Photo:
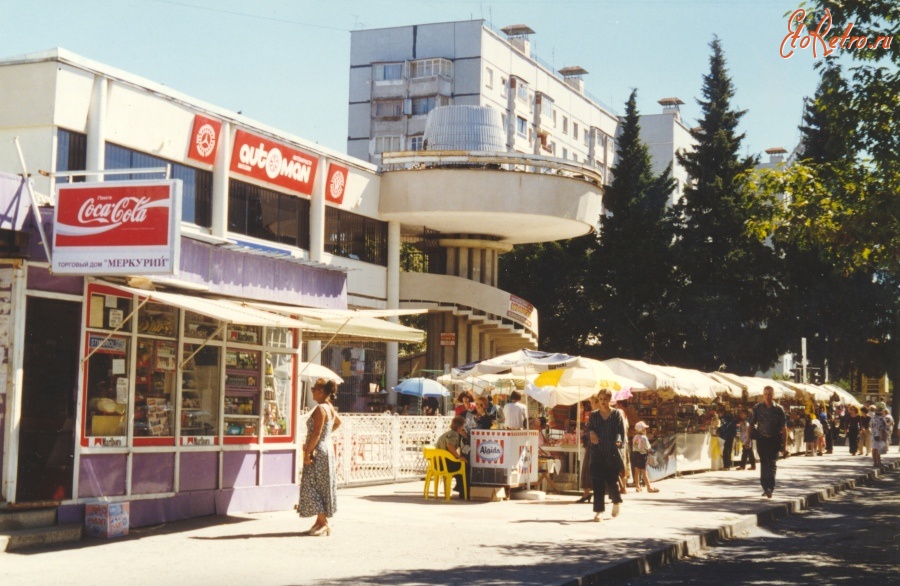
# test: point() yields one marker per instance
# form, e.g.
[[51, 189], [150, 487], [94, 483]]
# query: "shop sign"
[[448, 338], [520, 311], [199, 440], [204, 139], [117, 228], [337, 183], [265, 160], [114, 345]]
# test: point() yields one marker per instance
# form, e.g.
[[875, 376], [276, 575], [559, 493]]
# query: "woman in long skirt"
[[606, 429], [318, 486]]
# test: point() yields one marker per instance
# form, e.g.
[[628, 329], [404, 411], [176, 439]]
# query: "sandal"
[[652, 490]]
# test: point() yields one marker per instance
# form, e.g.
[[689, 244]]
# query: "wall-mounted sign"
[[520, 311], [448, 338], [204, 139], [117, 228], [337, 183], [265, 160]]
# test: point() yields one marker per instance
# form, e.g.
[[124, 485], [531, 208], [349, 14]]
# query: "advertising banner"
[[520, 311], [204, 139], [117, 228], [265, 160], [337, 183]]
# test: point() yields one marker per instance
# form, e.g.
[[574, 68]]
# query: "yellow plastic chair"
[[437, 470]]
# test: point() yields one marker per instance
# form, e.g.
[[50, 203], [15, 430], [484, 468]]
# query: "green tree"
[[727, 304], [631, 272]]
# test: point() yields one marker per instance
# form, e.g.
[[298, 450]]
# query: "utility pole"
[[803, 359]]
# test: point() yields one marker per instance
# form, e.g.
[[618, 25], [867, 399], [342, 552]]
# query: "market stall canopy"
[[845, 397], [782, 390], [693, 383], [809, 392], [495, 384], [552, 396], [229, 312], [350, 324], [645, 374], [737, 385], [587, 372], [520, 362]]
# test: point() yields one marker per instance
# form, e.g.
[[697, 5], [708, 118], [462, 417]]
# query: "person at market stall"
[[809, 436], [879, 430], [514, 412], [455, 441], [727, 431], [466, 404], [586, 480], [768, 422], [850, 426], [889, 421], [865, 438], [318, 485], [746, 435], [606, 428], [715, 446], [827, 440], [631, 418], [639, 456], [484, 419]]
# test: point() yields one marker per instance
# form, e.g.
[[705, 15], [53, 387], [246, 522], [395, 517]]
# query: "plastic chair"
[[438, 470]]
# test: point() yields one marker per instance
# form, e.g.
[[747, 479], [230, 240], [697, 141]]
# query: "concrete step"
[[11, 520], [20, 539]]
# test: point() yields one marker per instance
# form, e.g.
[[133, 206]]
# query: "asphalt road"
[[853, 538]]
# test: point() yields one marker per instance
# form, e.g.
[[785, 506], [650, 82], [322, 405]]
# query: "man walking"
[[514, 412], [767, 419]]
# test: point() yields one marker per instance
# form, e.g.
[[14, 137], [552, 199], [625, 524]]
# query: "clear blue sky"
[[285, 62]]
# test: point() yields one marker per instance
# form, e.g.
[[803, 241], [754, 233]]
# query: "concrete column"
[[487, 273], [96, 128], [477, 255], [219, 226], [317, 213], [392, 349], [462, 340], [463, 267], [475, 343], [9, 454], [452, 256]]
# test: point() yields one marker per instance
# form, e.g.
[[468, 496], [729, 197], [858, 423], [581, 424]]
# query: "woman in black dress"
[[606, 430]]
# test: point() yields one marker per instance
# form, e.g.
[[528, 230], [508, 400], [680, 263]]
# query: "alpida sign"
[[117, 228]]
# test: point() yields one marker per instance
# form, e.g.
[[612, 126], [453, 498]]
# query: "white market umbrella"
[[310, 371], [422, 387]]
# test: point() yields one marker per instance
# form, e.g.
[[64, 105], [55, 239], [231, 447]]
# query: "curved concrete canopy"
[[515, 206]]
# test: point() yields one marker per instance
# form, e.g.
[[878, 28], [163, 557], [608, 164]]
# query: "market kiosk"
[[503, 457]]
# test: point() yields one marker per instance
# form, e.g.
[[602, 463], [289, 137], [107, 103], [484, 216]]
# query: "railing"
[[381, 449], [410, 160]]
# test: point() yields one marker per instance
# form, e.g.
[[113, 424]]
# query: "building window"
[[522, 91], [565, 153], [521, 126], [388, 108], [196, 191], [387, 71], [421, 106], [354, 236], [504, 87], [575, 130], [386, 144], [71, 154], [587, 136], [269, 215], [554, 118], [489, 77], [565, 125], [430, 68], [415, 143]]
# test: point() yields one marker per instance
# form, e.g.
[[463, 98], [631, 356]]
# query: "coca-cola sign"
[[265, 160], [117, 228]]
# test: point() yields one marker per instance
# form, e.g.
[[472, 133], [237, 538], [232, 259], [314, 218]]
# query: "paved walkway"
[[391, 535]]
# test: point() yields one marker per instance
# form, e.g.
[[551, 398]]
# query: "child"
[[809, 436], [746, 435], [641, 447]]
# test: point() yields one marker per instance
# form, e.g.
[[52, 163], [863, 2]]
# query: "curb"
[[673, 552]]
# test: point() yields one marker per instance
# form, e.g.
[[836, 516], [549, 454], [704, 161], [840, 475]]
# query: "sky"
[[285, 62]]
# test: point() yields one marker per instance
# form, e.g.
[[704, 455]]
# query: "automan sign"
[[265, 160], [204, 139], [117, 228]]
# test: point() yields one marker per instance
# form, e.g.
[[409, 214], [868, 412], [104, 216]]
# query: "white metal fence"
[[376, 449]]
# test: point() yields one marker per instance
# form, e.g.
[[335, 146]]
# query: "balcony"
[[515, 197]]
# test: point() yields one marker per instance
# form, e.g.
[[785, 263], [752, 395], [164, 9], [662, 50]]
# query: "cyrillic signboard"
[[265, 160], [117, 228]]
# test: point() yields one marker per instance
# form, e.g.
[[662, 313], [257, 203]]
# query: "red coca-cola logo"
[[113, 215]]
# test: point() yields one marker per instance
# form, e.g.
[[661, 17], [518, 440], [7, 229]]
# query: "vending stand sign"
[[117, 228]]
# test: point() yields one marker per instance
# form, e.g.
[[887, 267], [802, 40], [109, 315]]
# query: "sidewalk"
[[391, 535]]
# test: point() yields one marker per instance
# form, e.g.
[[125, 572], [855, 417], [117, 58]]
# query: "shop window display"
[[242, 392], [200, 386], [107, 385], [277, 393]]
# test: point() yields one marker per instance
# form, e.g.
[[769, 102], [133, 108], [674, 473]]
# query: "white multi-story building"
[[398, 75], [665, 135]]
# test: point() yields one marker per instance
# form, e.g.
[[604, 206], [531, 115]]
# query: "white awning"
[[350, 324], [230, 312]]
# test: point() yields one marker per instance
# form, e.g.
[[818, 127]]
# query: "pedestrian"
[[851, 425], [819, 434], [641, 449], [768, 422], [809, 435], [746, 435], [727, 431], [586, 484], [715, 446], [827, 441], [865, 438], [318, 485], [514, 412], [889, 420], [879, 429], [606, 427]]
